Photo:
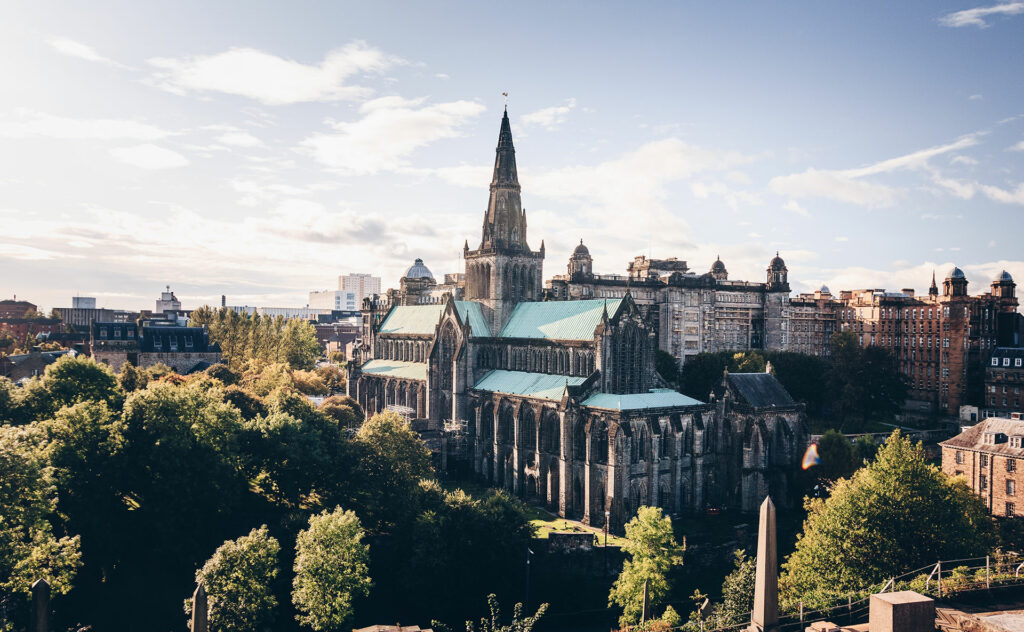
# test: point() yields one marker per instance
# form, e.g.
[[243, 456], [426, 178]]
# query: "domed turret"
[[955, 283], [777, 263], [718, 270], [1003, 276], [778, 274], [1004, 287], [581, 264], [824, 289], [955, 273], [418, 271]]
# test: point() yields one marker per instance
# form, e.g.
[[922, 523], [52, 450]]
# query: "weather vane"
[[505, 94]]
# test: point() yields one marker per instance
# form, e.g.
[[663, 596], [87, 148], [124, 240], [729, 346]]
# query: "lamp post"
[[607, 517]]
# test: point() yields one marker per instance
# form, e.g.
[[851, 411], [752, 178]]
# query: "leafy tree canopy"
[[653, 552]]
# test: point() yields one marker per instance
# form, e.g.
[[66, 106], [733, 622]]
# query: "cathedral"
[[557, 401]]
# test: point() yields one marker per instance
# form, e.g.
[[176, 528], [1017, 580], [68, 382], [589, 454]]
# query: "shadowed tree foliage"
[[239, 581], [653, 552], [131, 378], [519, 623], [837, 456], [343, 409], [897, 514], [71, 380], [247, 339]]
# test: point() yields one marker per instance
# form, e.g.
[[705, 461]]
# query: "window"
[[103, 332], [1011, 465], [117, 332], [1011, 487], [1009, 510], [984, 460], [995, 361], [1006, 361], [131, 332], [960, 457], [1017, 362], [983, 481]]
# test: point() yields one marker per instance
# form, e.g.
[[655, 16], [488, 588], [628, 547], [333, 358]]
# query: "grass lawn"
[[545, 523]]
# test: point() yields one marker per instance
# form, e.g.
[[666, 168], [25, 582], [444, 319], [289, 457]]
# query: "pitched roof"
[[412, 319], [182, 339], [396, 368], [760, 390], [558, 320], [539, 385], [656, 398], [973, 438], [471, 310]]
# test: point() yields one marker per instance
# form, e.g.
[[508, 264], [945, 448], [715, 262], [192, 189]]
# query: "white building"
[[361, 283], [167, 302], [83, 302], [335, 300]]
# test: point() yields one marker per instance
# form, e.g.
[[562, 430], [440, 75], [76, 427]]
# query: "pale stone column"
[[564, 463], [200, 612], [765, 617], [517, 457]]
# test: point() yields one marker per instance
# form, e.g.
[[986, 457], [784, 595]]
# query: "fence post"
[[41, 605], [849, 608], [801, 612], [939, 567], [988, 575]]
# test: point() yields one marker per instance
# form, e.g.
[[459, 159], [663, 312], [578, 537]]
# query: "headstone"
[[903, 611], [41, 606], [765, 617], [200, 612]]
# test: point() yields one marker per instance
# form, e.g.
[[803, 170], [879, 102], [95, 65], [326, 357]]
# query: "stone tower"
[[503, 271]]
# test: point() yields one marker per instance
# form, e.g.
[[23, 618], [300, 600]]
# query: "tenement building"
[[184, 349], [1004, 379], [558, 401], [990, 458]]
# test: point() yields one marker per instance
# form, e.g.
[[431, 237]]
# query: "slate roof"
[[973, 437], [760, 390], [539, 385], [49, 356], [656, 398], [558, 320], [412, 319], [471, 310], [1007, 352], [175, 339], [396, 368]]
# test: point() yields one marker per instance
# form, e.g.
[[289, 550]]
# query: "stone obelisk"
[[765, 617], [200, 610]]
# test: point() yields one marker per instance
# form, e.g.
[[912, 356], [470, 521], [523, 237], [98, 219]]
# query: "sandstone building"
[[184, 349], [558, 401], [990, 458], [1004, 381]]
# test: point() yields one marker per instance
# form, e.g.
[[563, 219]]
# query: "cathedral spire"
[[505, 223], [934, 289]]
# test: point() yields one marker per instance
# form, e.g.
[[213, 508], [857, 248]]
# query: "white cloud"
[[149, 156], [270, 79], [1015, 196], [842, 239], [977, 15], [71, 48], [963, 160], [391, 129], [240, 139], [794, 206], [31, 124], [22, 252], [551, 117], [847, 185], [975, 97], [734, 198], [1017, 147]]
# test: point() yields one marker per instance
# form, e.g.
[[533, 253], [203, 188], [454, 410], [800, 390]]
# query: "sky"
[[260, 149]]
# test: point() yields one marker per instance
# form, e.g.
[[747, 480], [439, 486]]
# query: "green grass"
[[546, 523]]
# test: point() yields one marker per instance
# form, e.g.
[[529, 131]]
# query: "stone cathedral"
[[558, 401]]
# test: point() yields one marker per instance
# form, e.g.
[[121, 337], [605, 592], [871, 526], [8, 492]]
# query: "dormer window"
[[188, 342], [103, 332], [995, 361], [1017, 362], [131, 333], [1015, 441], [174, 343], [1006, 361], [157, 342]]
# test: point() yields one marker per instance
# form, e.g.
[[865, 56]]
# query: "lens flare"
[[811, 457]]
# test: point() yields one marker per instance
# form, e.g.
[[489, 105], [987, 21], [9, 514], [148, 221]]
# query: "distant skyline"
[[261, 149]]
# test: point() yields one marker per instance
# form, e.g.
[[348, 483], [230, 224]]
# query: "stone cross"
[[765, 617], [41, 605], [200, 613]]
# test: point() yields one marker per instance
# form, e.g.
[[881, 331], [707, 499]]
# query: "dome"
[[718, 266], [955, 273], [825, 290], [777, 263], [581, 250], [418, 271], [1003, 276]]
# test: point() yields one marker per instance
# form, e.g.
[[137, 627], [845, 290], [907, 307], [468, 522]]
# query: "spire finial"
[[505, 94]]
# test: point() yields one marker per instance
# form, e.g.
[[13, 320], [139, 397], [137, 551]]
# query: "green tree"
[[343, 409], [837, 458], [864, 449], [74, 379], [737, 592], [247, 403], [392, 462], [331, 569], [223, 373], [29, 550], [896, 514], [653, 552], [667, 366], [131, 378], [239, 582], [519, 623]]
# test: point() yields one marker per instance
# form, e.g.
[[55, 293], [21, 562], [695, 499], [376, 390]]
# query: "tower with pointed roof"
[[503, 271]]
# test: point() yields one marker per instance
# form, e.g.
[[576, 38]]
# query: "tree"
[[331, 569], [836, 454], [667, 366], [132, 379], [343, 409], [864, 449], [653, 552], [896, 514], [519, 623], [393, 461], [29, 550], [737, 592], [74, 379], [223, 373], [239, 582]]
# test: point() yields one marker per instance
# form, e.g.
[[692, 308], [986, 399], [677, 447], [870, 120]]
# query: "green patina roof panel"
[[656, 398], [412, 319], [396, 368], [558, 320], [540, 385], [471, 310]]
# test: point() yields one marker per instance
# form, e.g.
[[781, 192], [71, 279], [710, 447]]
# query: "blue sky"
[[259, 150]]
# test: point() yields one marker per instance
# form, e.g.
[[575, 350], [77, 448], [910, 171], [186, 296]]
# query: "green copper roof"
[[412, 319], [656, 398], [540, 385], [558, 320], [477, 323], [396, 368]]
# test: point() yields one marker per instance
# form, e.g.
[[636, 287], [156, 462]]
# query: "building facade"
[[184, 349], [1004, 379], [558, 401], [990, 458], [362, 284], [335, 300]]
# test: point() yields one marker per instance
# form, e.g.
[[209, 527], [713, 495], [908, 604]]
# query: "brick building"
[[13, 308], [990, 457], [1004, 380], [184, 349]]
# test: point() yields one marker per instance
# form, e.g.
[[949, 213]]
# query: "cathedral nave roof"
[[558, 320]]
